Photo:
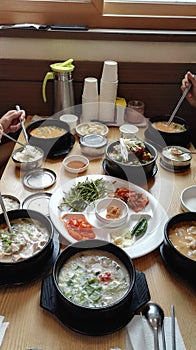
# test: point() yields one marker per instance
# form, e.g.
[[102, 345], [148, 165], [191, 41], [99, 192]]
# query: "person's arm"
[[1, 132], [10, 121], [191, 96]]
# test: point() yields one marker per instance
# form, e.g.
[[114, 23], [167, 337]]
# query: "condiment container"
[[128, 131], [93, 145], [76, 164]]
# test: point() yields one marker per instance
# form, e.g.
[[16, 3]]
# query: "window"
[[121, 14]]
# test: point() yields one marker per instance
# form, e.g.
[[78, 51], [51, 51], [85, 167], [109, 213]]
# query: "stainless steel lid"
[[39, 178], [38, 201], [93, 141]]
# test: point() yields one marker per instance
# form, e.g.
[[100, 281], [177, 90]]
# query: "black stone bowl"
[[27, 269], [162, 138], [176, 261], [53, 144], [137, 174], [89, 320]]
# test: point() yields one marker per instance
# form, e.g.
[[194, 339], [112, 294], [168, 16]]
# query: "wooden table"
[[31, 326]]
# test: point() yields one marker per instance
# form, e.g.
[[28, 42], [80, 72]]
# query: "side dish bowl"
[[179, 247], [179, 136], [188, 199], [112, 212], [76, 164], [28, 158], [87, 319], [35, 259], [43, 133]]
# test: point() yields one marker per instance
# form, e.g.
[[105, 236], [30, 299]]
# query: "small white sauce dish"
[[111, 206], [76, 163], [188, 199]]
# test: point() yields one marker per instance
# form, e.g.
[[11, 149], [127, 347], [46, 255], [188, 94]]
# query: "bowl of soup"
[[95, 283], [179, 246], [140, 164], [26, 250], [50, 134], [177, 133]]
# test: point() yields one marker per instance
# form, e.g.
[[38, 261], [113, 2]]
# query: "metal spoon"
[[11, 138], [5, 214], [23, 127], [179, 152], [155, 316], [179, 103]]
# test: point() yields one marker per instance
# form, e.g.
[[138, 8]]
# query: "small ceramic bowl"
[[188, 199], [76, 164], [111, 212], [176, 156]]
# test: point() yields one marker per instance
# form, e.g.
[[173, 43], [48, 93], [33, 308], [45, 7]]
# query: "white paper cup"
[[90, 111], [71, 120], [108, 91], [110, 71], [90, 90], [106, 112]]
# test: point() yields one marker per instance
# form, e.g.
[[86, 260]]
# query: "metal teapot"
[[63, 84]]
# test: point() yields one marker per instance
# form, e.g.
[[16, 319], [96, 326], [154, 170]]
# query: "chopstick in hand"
[[23, 127], [173, 328]]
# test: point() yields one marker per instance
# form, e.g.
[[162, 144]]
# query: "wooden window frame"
[[100, 14]]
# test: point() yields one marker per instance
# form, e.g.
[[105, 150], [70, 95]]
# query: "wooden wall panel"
[[157, 84]]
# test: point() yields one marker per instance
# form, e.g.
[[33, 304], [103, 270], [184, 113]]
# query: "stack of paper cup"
[[90, 106], [108, 91]]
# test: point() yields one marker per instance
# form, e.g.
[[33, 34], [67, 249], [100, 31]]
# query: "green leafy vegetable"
[[84, 193]]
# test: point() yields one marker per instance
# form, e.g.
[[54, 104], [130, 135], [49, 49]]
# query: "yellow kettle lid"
[[61, 67]]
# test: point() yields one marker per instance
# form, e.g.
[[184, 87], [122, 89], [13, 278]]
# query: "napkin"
[[3, 327], [140, 335]]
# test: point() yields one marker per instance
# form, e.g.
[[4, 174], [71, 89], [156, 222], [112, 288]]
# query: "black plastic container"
[[88, 320], [28, 269], [52, 145]]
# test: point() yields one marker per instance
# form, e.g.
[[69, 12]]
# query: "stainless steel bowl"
[[28, 164], [93, 145], [176, 160]]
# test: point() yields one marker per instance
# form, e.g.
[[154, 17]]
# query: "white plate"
[[154, 212]]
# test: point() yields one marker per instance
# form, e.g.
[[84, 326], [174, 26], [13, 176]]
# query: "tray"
[[48, 301]]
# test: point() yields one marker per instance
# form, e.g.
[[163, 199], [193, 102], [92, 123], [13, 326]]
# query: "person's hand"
[[10, 121], [1, 132], [191, 96]]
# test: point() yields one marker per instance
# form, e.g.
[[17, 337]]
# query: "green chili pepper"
[[139, 229]]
